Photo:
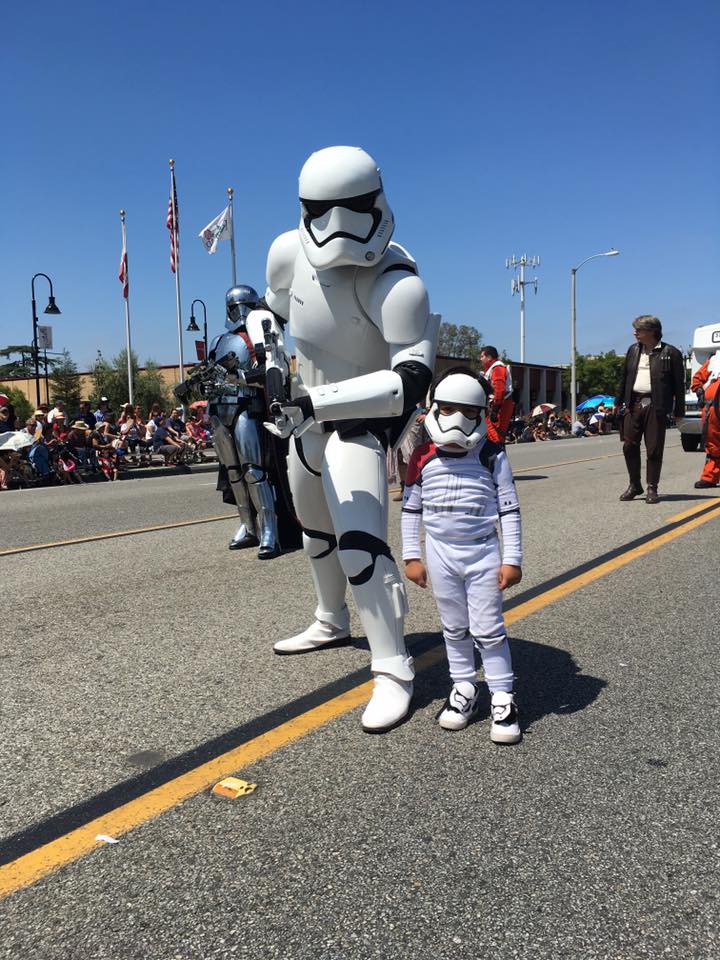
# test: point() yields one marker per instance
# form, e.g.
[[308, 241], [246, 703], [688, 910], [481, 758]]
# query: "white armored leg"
[[332, 620], [355, 483], [227, 453]]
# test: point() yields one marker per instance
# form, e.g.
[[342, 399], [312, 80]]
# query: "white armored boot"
[[382, 606], [331, 626], [327, 629], [392, 694]]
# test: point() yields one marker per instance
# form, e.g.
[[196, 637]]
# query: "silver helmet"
[[239, 301]]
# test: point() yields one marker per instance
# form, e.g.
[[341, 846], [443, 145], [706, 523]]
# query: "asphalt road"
[[596, 837]]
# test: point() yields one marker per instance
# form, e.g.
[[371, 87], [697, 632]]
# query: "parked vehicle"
[[706, 340]]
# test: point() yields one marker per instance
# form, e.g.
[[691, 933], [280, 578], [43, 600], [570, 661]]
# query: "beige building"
[[26, 385], [536, 383]]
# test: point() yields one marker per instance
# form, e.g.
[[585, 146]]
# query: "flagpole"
[[177, 268], [127, 310], [232, 236]]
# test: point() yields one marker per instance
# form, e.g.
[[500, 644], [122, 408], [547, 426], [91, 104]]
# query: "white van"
[[706, 340]]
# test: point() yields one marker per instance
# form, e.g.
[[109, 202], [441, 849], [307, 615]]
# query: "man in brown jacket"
[[652, 387]]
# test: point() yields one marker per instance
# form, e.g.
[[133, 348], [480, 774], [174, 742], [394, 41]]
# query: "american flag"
[[173, 224], [123, 271]]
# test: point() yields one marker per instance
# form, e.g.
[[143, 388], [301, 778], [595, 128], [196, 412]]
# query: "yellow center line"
[[32, 866], [703, 505], [113, 534]]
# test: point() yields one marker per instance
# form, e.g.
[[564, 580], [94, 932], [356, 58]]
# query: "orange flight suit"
[[500, 409], [711, 418]]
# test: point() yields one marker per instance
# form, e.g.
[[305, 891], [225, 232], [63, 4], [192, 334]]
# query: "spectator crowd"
[[552, 426], [56, 447]]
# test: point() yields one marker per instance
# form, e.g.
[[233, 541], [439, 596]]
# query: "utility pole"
[[518, 264]]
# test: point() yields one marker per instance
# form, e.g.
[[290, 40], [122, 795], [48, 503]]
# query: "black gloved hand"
[[700, 394], [182, 392]]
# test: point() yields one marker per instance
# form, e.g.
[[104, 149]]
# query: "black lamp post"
[[194, 328], [52, 309]]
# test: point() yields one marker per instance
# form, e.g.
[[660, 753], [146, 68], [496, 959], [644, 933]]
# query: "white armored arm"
[[279, 271], [397, 303]]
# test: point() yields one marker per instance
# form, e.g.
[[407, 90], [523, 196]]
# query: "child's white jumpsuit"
[[460, 497]]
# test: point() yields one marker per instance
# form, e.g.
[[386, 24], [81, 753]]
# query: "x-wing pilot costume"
[[706, 383], [502, 405], [460, 493], [236, 407], [365, 345]]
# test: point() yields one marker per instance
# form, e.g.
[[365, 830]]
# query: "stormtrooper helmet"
[[345, 218], [231, 351], [239, 301], [459, 390]]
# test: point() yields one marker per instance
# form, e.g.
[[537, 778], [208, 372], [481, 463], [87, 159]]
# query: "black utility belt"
[[356, 428]]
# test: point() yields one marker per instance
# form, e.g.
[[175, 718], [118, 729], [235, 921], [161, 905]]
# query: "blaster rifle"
[[274, 372], [205, 372]]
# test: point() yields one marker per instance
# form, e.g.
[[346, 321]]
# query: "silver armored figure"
[[236, 407]]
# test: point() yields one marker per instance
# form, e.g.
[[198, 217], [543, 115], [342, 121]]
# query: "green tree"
[[463, 342], [596, 374], [111, 380], [23, 365], [23, 407], [65, 382], [150, 388], [101, 375]]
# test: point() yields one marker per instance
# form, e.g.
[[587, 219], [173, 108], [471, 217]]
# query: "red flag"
[[200, 349], [173, 224], [123, 271]]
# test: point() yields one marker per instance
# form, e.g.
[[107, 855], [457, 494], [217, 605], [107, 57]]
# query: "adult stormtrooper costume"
[[365, 345], [236, 405]]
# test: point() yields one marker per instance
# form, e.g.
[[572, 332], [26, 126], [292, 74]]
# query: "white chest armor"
[[334, 339]]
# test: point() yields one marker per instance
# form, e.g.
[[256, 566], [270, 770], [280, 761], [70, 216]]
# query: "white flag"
[[218, 229]]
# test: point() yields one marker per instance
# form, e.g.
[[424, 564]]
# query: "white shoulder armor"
[[395, 297], [254, 325], [279, 272]]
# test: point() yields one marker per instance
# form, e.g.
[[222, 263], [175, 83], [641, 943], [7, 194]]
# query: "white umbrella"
[[542, 408], [15, 440]]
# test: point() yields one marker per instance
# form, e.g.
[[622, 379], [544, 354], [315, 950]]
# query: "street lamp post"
[[573, 349], [194, 328], [52, 309]]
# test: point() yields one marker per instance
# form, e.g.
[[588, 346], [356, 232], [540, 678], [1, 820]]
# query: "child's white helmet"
[[464, 389]]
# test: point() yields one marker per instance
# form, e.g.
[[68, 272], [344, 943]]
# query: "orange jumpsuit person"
[[706, 383], [501, 406]]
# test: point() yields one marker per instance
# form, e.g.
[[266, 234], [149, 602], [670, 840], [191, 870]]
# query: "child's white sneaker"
[[460, 707], [505, 727]]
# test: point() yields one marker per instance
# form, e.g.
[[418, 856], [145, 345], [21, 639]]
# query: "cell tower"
[[518, 264]]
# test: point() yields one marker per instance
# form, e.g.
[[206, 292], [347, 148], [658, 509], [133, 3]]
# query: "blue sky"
[[559, 129]]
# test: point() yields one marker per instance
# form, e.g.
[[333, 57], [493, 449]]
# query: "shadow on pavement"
[[548, 681]]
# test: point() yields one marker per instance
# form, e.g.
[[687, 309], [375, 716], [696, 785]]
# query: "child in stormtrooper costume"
[[365, 346], [236, 407], [460, 486]]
